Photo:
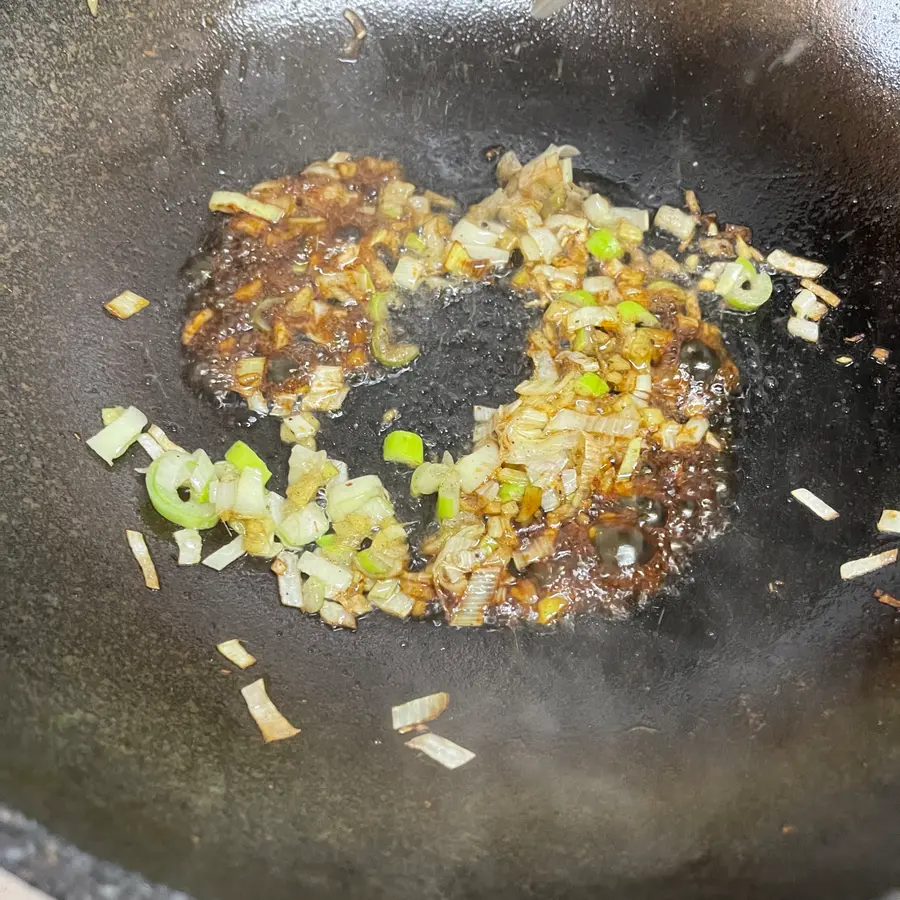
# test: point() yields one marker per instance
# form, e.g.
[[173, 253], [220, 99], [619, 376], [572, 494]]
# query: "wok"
[[734, 739]]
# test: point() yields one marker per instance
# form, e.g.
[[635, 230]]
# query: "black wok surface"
[[729, 741]]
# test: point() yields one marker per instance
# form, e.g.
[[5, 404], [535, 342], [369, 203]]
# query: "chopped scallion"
[[165, 476], [579, 298], [404, 447], [448, 497], [387, 352], [603, 244], [112, 441], [634, 313], [242, 456], [591, 385], [190, 546]]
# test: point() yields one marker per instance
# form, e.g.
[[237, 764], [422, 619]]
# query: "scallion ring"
[[165, 476], [388, 353]]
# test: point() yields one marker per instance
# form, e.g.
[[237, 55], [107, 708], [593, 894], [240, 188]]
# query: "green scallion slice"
[[165, 476], [241, 456], [404, 447], [591, 385]]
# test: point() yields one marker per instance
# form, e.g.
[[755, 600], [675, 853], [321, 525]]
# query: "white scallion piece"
[[857, 567], [476, 468], [631, 458], [569, 480], [126, 305], [814, 504], [599, 212], [889, 523], [823, 294], [806, 306], [299, 427], [675, 221], [335, 615], [290, 585], [549, 500], [112, 441], [233, 202], [93, 7], [273, 725], [415, 712], [140, 552], [387, 596], [600, 284], [226, 555], [448, 754], [190, 546], [109, 414], [494, 255], [150, 446], [468, 232], [163, 439], [235, 652], [803, 329], [408, 272], [481, 587], [336, 578], [327, 390], [640, 218], [796, 265]]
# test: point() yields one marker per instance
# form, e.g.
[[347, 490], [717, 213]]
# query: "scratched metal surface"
[[730, 740]]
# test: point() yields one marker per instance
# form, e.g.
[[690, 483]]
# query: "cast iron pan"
[[731, 741]]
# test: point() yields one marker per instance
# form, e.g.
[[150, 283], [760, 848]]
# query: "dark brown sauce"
[[265, 297], [288, 292]]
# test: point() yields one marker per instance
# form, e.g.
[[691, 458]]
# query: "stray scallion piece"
[[886, 599], [415, 712], [795, 265], [814, 504], [241, 456], [404, 447], [113, 440], [857, 567], [235, 652], [126, 305], [889, 523], [140, 552], [448, 754], [803, 329], [273, 725]]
